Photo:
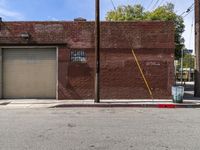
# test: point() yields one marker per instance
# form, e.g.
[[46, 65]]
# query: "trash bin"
[[177, 94]]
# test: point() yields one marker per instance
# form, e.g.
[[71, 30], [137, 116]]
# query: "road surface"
[[100, 129]]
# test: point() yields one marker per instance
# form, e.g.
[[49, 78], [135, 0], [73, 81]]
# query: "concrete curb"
[[130, 105], [35, 103]]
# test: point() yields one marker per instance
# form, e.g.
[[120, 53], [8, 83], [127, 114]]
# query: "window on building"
[[78, 56]]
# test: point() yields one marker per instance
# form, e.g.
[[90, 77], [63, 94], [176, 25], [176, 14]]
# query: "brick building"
[[56, 59]]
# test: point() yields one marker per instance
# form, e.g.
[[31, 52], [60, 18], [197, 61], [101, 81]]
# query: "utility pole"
[[197, 48], [97, 51], [182, 66]]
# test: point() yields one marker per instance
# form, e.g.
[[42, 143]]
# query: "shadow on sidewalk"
[[189, 92]]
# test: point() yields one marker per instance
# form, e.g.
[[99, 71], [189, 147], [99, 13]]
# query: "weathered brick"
[[153, 43]]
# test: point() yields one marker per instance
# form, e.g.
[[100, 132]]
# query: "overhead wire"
[[191, 10], [149, 6], [154, 6], [188, 9], [161, 3], [157, 5], [192, 25], [113, 4]]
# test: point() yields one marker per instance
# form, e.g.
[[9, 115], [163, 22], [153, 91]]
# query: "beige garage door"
[[29, 73]]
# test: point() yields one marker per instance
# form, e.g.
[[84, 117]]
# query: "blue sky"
[[69, 9]]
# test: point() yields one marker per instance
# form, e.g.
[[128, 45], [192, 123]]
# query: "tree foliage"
[[188, 61], [126, 13], [163, 13]]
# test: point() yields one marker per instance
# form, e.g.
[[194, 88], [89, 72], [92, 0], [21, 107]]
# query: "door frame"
[[26, 47]]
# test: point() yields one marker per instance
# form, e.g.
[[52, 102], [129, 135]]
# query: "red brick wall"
[[120, 78], [81, 34]]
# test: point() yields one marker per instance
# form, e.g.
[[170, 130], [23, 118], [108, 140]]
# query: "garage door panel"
[[29, 73]]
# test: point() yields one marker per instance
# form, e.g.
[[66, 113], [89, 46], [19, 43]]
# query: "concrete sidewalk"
[[36, 103], [189, 102]]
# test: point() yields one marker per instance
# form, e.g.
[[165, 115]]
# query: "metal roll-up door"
[[29, 73]]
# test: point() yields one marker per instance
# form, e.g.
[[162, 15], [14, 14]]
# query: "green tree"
[[126, 13], [163, 13], [188, 61]]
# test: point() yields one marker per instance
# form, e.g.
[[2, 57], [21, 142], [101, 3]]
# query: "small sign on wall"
[[152, 63], [78, 56]]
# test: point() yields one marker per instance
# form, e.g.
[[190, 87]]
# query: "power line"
[[161, 3], [155, 4], [192, 25], [113, 5], [150, 4], [182, 13], [188, 10], [191, 10]]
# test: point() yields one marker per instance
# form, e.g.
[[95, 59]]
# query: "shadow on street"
[[189, 91]]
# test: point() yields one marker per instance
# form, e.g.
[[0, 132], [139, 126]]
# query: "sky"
[[56, 10]]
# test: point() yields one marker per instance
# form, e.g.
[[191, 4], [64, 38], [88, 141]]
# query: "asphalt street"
[[99, 129]]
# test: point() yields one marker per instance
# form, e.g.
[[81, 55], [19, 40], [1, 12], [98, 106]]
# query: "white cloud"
[[50, 18], [8, 14]]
